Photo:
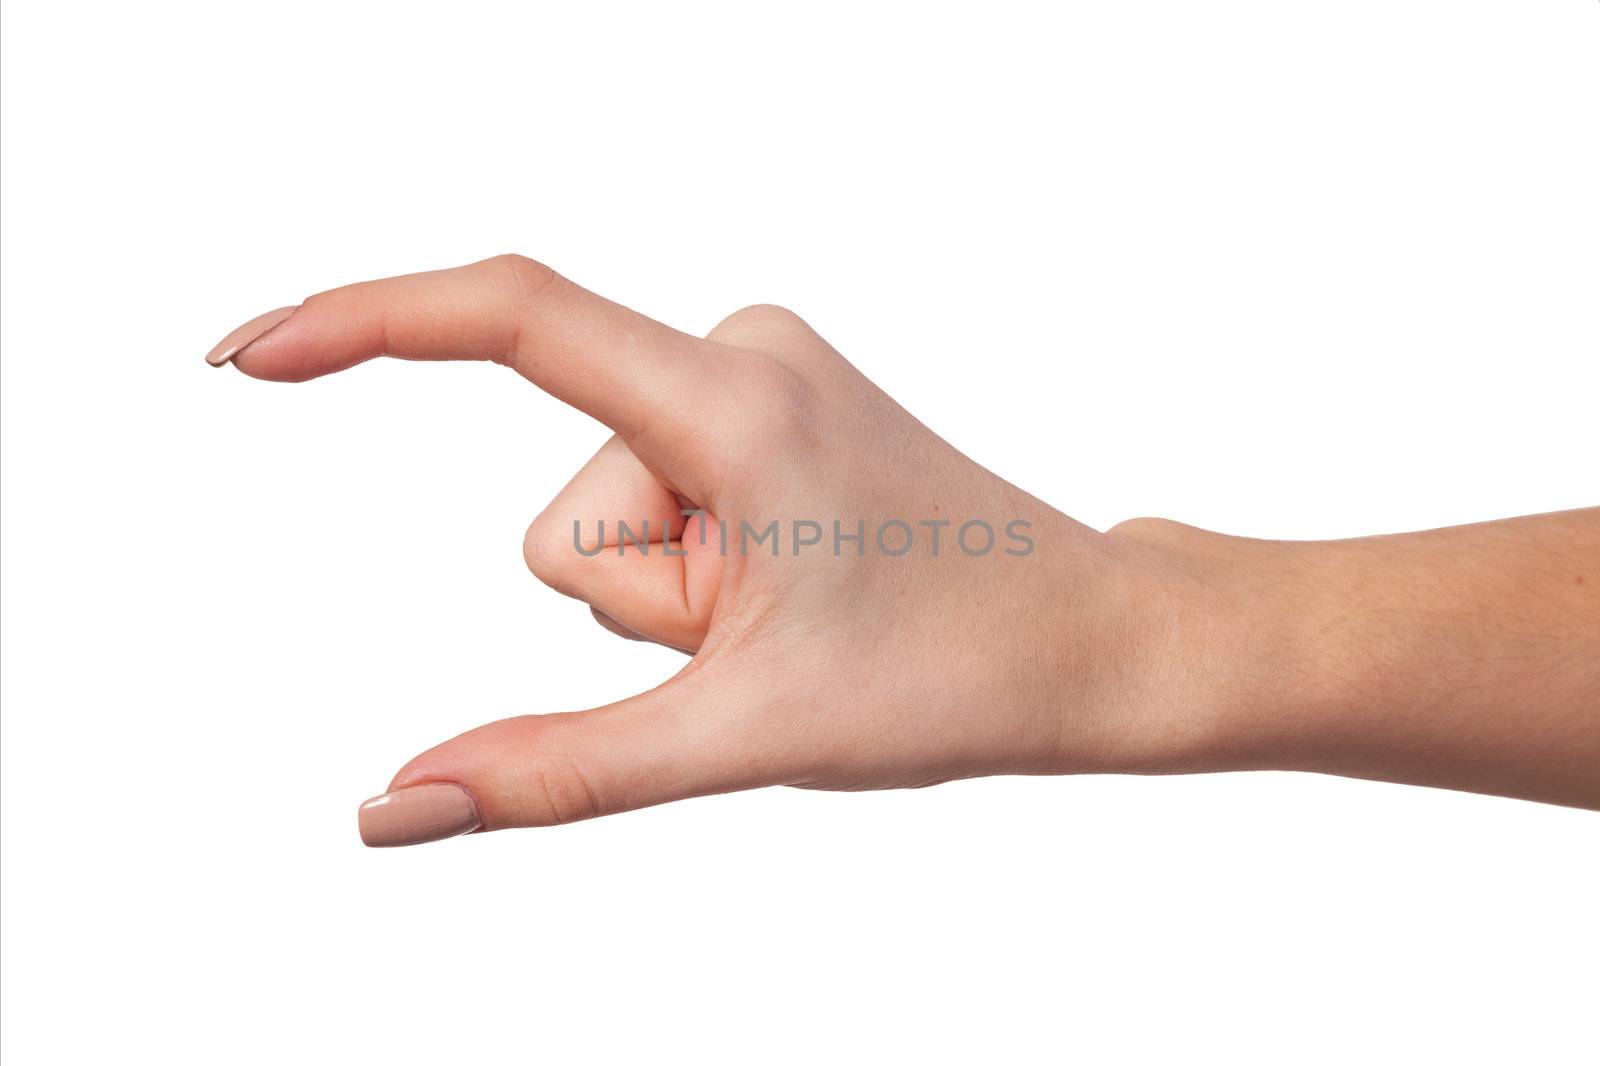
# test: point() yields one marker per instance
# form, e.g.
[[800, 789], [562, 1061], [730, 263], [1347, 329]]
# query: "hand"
[[867, 608], [826, 654]]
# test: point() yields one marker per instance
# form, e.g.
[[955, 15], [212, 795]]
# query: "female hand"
[[867, 608], [911, 618]]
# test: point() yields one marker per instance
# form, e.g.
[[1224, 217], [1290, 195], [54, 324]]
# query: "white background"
[[1281, 269]]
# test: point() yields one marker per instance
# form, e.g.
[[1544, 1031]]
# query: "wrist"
[[1223, 647]]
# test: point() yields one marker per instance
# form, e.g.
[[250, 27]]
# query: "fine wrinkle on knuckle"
[[525, 281], [558, 791], [526, 277]]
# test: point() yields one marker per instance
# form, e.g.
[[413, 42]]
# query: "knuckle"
[[557, 792], [761, 315], [525, 276], [546, 551], [1147, 530], [332, 300], [758, 324], [787, 407]]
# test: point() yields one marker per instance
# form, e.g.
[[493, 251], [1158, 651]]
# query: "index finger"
[[627, 370]]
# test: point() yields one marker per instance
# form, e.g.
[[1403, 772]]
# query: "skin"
[[1464, 658]]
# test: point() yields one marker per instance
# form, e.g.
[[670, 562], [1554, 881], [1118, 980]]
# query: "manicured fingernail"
[[248, 334], [417, 815]]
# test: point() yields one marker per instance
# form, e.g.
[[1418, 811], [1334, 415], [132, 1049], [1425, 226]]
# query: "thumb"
[[670, 743]]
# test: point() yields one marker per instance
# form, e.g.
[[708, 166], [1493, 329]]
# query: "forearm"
[[1463, 658]]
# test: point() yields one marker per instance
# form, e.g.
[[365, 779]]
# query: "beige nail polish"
[[248, 334], [417, 815]]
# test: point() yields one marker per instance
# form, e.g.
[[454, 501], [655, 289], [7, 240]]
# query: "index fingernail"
[[248, 334]]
